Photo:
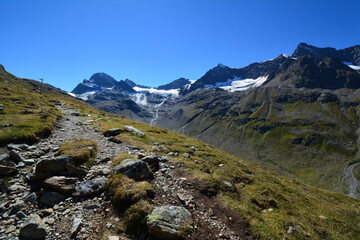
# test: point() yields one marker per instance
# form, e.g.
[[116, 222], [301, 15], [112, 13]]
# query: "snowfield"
[[238, 84]]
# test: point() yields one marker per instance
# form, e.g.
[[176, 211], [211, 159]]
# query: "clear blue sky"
[[153, 42]]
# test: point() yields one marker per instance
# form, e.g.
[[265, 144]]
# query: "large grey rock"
[[15, 156], [51, 198], [33, 228], [61, 184], [134, 130], [133, 168], [168, 222], [90, 187], [7, 171], [51, 165]]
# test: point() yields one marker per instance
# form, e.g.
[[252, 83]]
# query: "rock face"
[[90, 187], [33, 228], [133, 168], [167, 222]]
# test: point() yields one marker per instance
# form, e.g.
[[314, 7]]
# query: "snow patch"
[[350, 64], [71, 94], [174, 92], [92, 85], [86, 95], [238, 84], [139, 98]]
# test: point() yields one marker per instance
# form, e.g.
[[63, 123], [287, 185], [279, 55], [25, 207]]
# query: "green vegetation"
[[26, 114], [269, 203], [125, 191], [81, 150], [134, 220]]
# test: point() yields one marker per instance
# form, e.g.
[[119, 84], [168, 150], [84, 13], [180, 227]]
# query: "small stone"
[[322, 217], [291, 229], [10, 229], [187, 155], [67, 211], [47, 212], [114, 238], [31, 198], [76, 226], [49, 220], [20, 214]]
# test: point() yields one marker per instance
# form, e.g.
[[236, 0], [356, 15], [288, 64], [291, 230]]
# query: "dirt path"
[[173, 185]]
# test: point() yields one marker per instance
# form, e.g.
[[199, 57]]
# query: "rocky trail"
[[28, 210]]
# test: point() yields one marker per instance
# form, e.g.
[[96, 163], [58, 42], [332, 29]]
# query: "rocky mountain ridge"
[[88, 174]]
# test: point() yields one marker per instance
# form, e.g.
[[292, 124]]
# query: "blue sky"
[[153, 42]]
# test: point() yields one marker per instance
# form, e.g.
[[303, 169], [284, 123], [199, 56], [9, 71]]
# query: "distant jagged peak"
[[102, 79]]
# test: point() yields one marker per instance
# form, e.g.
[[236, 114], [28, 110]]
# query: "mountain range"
[[297, 114], [62, 161]]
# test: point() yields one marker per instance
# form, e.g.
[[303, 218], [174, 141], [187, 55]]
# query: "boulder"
[[53, 165], [90, 187], [33, 228], [61, 184], [168, 222], [133, 168], [112, 132], [6, 171], [134, 130], [15, 156], [51, 198]]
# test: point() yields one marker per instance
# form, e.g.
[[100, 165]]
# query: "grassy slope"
[[269, 202]]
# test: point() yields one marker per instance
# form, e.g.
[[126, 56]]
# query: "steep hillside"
[[310, 134], [226, 197]]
